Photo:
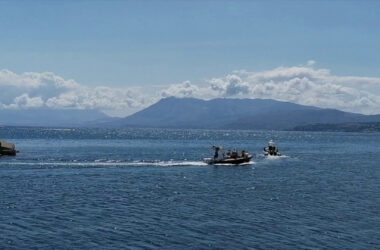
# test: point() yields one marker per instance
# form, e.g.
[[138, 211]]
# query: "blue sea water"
[[148, 189]]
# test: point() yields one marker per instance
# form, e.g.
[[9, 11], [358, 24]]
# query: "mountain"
[[50, 117], [194, 113], [235, 114]]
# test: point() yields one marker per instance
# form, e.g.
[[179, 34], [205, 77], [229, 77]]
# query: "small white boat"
[[271, 149]]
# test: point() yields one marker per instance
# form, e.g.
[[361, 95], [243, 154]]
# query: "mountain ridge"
[[226, 113], [192, 113]]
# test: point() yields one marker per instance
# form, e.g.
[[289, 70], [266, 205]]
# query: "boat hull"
[[267, 154], [233, 161]]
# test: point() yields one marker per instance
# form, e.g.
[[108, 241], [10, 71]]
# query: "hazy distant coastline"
[[342, 127], [192, 113]]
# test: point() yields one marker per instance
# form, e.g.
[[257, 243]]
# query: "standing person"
[[216, 155]]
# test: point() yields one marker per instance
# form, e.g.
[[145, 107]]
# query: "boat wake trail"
[[110, 163]]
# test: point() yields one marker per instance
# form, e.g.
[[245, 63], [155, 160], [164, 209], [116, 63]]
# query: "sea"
[[78, 188]]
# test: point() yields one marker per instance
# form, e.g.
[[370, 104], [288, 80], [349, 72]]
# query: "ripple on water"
[[83, 188]]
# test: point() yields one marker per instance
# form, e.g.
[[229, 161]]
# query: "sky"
[[122, 56]]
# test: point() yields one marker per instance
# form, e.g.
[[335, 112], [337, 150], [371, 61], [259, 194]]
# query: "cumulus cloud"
[[231, 85], [184, 89], [47, 90], [301, 84]]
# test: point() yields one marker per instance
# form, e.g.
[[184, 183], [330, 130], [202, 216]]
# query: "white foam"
[[276, 157], [111, 163], [230, 164]]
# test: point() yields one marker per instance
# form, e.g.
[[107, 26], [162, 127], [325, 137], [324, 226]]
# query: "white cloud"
[[302, 84], [184, 89], [24, 101], [36, 90]]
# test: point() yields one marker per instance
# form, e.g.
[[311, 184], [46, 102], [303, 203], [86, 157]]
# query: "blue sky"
[[122, 44], [159, 42]]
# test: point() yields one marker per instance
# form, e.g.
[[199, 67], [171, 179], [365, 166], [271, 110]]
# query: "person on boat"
[[216, 155], [228, 153], [234, 154], [267, 149], [271, 149], [244, 154]]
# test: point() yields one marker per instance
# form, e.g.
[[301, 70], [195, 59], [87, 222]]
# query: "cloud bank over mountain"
[[303, 85], [299, 84]]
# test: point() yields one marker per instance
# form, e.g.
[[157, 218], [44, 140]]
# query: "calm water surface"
[[148, 189]]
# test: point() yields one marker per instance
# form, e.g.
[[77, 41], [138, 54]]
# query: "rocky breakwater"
[[7, 148]]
